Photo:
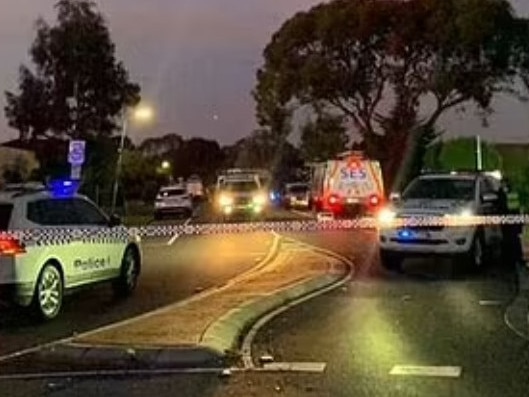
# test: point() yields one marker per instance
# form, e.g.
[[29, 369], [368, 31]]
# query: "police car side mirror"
[[489, 198], [394, 197], [114, 220]]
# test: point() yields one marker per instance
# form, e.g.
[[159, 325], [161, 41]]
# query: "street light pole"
[[117, 175]]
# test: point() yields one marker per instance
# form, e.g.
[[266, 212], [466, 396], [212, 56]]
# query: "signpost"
[[76, 158]]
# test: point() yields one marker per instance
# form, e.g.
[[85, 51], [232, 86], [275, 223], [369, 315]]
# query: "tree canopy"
[[377, 62], [76, 87], [323, 138]]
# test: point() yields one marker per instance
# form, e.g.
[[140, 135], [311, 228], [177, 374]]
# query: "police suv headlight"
[[462, 217], [225, 200], [385, 217], [259, 199]]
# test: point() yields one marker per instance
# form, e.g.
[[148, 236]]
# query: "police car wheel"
[[126, 283], [391, 260], [48, 293], [475, 255]]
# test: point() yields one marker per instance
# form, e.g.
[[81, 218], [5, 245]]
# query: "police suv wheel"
[[475, 257], [391, 260], [48, 293], [126, 283]]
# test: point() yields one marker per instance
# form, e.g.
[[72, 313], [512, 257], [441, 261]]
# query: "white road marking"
[[424, 370], [303, 214], [490, 302], [175, 237], [295, 367]]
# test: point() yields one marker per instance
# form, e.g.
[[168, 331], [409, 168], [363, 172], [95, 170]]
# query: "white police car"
[[53, 240], [451, 197]]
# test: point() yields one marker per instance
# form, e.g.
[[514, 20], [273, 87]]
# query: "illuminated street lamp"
[[166, 165], [141, 114]]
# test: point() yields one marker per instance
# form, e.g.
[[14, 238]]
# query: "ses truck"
[[350, 185]]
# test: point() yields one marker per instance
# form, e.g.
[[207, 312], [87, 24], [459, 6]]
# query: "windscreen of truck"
[[5, 215], [298, 189], [241, 186]]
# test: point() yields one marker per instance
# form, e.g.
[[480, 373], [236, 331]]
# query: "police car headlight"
[[385, 217], [465, 213], [225, 200], [259, 199], [460, 218]]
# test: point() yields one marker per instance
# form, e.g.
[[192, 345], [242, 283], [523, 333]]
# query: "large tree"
[[323, 137], [76, 87], [378, 61]]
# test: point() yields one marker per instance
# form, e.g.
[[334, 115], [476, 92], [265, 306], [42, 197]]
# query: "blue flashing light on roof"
[[63, 188]]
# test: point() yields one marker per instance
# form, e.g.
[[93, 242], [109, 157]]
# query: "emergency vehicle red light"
[[11, 246], [374, 200], [354, 165], [333, 199]]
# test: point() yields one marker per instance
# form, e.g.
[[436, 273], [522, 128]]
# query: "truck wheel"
[[127, 281], [49, 292], [391, 260]]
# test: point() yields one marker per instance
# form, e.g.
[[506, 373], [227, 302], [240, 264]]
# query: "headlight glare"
[[259, 199], [225, 200], [386, 216]]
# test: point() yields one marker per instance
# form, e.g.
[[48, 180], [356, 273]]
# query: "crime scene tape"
[[43, 236]]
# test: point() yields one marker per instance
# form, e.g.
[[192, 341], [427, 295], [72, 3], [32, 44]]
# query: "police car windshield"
[[440, 188], [240, 186], [5, 215]]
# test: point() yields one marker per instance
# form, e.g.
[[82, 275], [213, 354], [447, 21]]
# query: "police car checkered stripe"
[[64, 236]]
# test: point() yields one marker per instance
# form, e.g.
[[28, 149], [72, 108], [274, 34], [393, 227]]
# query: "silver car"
[[173, 200]]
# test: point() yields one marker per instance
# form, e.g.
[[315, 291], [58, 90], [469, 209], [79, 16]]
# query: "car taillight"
[[11, 246], [374, 200], [333, 199]]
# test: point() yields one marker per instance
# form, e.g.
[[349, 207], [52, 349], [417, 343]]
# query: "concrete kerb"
[[224, 334]]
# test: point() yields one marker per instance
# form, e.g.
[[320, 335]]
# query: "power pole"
[[479, 155]]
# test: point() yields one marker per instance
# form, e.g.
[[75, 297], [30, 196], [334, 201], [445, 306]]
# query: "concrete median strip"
[[207, 328]]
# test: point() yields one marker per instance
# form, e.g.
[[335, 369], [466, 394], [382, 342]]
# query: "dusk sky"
[[196, 59]]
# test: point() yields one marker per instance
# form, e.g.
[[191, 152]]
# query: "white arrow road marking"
[[173, 239], [424, 370]]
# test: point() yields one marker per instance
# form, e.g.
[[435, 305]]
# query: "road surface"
[[423, 321]]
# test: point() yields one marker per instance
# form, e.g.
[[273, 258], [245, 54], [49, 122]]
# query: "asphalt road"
[[424, 316]]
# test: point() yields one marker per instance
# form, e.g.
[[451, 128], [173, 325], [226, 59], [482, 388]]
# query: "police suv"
[[451, 197], [53, 240], [241, 194]]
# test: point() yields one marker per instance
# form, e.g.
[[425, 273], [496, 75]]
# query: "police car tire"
[[123, 286], [471, 256], [38, 310], [390, 260]]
